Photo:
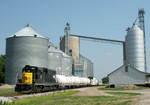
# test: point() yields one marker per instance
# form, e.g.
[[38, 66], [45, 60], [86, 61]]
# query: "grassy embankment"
[[66, 98]]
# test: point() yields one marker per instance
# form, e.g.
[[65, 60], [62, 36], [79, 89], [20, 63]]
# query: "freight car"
[[38, 79]]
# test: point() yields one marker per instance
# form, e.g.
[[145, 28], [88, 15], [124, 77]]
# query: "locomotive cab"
[[29, 74], [27, 77]]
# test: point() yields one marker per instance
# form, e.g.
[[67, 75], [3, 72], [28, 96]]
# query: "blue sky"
[[98, 18]]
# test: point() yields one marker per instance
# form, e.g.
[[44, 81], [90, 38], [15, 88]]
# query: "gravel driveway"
[[91, 91]]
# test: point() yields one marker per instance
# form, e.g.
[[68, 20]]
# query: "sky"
[[95, 18]]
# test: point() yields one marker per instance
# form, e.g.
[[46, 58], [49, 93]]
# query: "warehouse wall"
[[126, 75]]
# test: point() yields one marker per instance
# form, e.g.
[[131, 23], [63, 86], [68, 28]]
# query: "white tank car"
[[65, 81], [94, 81]]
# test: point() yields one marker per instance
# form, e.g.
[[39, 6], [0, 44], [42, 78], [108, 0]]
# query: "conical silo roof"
[[27, 31], [136, 28], [56, 50]]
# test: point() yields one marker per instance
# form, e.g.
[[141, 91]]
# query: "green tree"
[[105, 80], [2, 68]]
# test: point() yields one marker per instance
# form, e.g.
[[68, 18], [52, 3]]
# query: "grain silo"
[[87, 67], [26, 47], [73, 47], [66, 64], [135, 55], [54, 59]]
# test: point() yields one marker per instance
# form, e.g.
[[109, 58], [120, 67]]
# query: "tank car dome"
[[27, 31]]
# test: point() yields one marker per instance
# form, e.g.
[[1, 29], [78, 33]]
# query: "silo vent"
[[35, 35], [28, 25], [128, 29]]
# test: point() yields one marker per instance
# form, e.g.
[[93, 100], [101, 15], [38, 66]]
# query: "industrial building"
[[126, 75], [82, 66], [28, 47], [134, 69]]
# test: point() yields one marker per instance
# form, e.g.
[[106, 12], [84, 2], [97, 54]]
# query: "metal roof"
[[27, 31], [64, 54], [135, 27], [128, 66], [56, 50]]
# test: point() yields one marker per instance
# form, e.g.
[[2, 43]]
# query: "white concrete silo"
[[135, 49]]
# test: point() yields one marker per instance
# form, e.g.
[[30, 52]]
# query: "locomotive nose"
[[27, 78]]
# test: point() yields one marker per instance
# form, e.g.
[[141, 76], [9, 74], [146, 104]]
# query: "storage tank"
[[87, 67], [85, 63], [66, 64], [73, 46], [91, 70], [54, 59], [94, 81], [134, 44], [26, 47]]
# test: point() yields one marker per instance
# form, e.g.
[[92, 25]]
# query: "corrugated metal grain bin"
[[26, 47], [55, 59], [66, 64], [88, 67], [91, 69], [135, 54]]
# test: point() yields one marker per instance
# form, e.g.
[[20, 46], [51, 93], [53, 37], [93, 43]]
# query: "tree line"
[[2, 68]]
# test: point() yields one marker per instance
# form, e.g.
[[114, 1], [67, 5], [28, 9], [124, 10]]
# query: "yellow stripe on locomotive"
[[27, 78]]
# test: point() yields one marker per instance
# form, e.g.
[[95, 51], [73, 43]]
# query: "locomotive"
[[39, 79]]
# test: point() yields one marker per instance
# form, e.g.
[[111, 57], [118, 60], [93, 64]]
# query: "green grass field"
[[7, 91], [66, 98], [120, 88], [123, 93]]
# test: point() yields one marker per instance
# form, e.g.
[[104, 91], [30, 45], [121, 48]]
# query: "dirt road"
[[144, 98], [93, 91]]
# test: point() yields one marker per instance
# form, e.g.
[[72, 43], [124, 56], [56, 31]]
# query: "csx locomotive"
[[38, 79]]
